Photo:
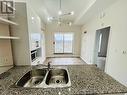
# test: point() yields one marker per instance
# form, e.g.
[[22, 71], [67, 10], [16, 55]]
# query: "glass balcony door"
[[63, 42], [59, 43]]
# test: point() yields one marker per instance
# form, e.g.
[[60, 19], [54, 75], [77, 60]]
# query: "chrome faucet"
[[49, 66]]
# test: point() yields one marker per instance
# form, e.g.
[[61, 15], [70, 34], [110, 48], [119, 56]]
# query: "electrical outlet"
[[6, 60], [124, 52], [3, 61]]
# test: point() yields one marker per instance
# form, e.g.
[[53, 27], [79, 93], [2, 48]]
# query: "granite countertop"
[[85, 79]]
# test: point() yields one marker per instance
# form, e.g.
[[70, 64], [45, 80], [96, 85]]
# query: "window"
[[63, 42], [100, 39]]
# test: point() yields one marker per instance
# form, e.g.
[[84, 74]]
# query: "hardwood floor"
[[64, 61]]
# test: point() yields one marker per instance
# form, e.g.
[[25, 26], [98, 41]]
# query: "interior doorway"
[[101, 45], [63, 43]]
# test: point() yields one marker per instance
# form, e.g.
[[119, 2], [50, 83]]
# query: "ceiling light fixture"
[[60, 8], [60, 13], [60, 18]]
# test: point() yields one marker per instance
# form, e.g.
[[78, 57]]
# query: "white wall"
[[116, 17], [43, 26], [43, 30], [52, 28], [43, 47], [21, 52]]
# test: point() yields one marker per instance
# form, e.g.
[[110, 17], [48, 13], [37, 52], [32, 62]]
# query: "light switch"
[[124, 52]]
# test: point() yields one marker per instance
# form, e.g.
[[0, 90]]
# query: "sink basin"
[[58, 78], [32, 79], [44, 78]]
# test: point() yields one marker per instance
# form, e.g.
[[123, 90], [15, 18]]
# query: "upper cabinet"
[[29, 31], [4, 19], [7, 10]]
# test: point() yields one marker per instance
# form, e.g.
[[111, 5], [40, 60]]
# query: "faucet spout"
[[49, 66]]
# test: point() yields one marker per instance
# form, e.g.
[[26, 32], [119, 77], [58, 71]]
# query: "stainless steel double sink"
[[44, 78]]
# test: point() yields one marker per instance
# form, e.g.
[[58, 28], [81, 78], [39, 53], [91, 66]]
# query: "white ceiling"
[[81, 8]]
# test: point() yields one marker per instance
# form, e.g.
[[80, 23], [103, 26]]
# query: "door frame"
[[96, 46]]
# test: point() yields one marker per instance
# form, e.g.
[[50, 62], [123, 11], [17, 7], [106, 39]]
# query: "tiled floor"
[[65, 61]]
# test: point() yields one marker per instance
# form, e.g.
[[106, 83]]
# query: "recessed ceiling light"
[[70, 23], [72, 13], [50, 19], [59, 23], [32, 18]]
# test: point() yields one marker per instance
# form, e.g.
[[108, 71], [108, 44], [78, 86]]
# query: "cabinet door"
[[5, 47], [5, 53]]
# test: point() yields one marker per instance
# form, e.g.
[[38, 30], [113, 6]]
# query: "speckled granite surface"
[[85, 80]]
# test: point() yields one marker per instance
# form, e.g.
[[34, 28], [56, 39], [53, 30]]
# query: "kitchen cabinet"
[[6, 60], [29, 32]]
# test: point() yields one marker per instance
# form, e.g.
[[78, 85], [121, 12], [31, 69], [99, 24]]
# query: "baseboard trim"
[[64, 57], [83, 60]]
